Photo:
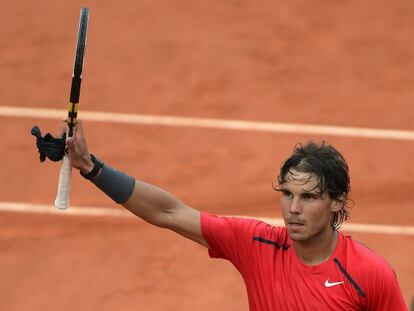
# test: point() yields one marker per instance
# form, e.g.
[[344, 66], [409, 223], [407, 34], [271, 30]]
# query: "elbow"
[[160, 216]]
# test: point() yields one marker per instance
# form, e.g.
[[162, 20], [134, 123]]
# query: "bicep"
[[162, 209], [186, 221]]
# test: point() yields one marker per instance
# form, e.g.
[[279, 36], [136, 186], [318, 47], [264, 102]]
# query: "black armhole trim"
[[277, 245], [350, 279]]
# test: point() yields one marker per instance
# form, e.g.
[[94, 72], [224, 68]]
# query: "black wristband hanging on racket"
[[48, 146]]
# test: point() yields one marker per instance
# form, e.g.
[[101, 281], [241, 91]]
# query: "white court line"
[[115, 212], [15, 207], [240, 125]]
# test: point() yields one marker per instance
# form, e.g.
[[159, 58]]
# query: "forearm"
[[148, 202]]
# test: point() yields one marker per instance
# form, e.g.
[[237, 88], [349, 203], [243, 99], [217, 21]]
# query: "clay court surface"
[[327, 63]]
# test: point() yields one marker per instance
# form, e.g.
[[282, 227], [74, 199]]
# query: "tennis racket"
[[65, 174]]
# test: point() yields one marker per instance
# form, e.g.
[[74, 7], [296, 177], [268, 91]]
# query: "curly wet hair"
[[328, 165]]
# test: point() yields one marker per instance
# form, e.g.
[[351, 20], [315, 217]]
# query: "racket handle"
[[63, 191]]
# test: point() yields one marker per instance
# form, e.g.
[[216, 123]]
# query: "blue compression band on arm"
[[116, 184]]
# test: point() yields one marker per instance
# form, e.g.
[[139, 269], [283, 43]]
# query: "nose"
[[295, 206]]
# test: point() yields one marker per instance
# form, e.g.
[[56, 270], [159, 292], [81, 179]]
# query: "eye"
[[286, 193], [309, 196]]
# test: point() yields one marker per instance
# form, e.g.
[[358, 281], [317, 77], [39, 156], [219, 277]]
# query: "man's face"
[[307, 212]]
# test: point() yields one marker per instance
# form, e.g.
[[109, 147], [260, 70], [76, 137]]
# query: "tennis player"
[[307, 265]]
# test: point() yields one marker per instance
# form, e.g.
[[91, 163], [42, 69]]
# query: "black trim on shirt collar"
[[350, 279], [274, 243]]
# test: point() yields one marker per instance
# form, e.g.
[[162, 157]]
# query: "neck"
[[317, 250]]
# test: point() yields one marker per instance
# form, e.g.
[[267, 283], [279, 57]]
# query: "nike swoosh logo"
[[328, 284]]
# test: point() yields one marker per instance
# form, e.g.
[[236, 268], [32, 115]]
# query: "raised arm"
[[152, 204]]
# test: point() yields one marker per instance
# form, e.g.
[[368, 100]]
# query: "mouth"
[[295, 226]]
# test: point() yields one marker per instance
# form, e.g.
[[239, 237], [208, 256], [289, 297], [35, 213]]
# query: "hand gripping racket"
[[65, 175]]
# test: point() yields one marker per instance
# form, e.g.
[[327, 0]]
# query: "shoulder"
[[368, 259], [240, 226], [235, 238]]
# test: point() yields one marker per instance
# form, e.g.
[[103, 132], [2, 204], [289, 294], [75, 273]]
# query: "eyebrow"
[[282, 187], [314, 192]]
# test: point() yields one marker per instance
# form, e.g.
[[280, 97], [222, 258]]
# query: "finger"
[[70, 143], [79, 129]]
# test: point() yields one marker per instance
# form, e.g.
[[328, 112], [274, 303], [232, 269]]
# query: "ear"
[[338, 204]]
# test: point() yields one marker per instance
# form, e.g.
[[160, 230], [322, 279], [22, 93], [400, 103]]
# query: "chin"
[[297, 237]]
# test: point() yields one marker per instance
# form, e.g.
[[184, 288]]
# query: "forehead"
[[303, 181]]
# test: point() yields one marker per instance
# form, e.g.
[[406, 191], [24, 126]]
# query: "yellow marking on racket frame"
[[72, 113], [73, 108]]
